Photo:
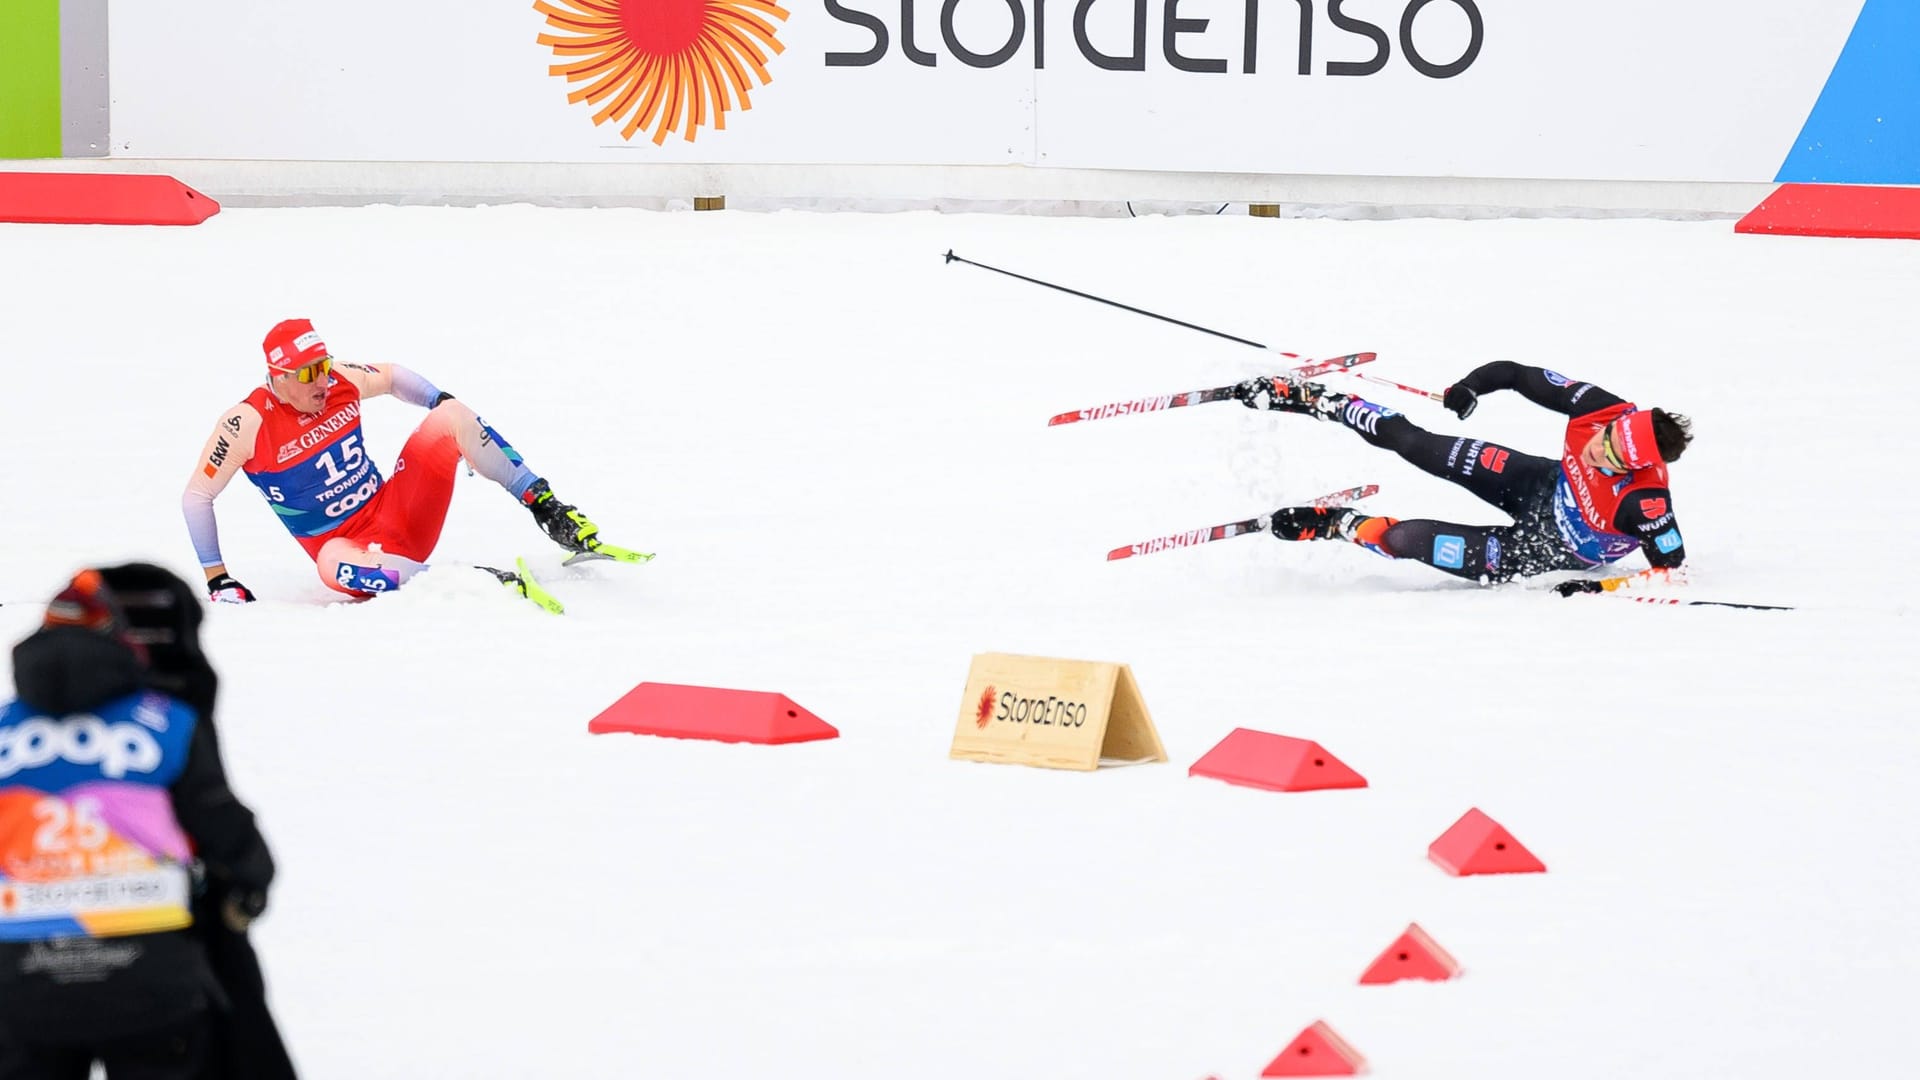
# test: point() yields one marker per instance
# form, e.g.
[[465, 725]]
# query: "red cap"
[[1633, 440], [291, 345]]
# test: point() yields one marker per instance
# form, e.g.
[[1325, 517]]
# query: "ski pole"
[[1414, 390], [952, 258]]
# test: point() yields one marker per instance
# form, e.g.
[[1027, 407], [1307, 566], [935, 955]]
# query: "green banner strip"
[[30, 79]]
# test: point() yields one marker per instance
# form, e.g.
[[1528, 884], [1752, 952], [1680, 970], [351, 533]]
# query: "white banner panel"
[[1712, 90]]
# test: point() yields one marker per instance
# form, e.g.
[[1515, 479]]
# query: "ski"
[[1705, 603], [599, 551], [1622, 587], [524, 583], [1201, 397], [1235, 528]]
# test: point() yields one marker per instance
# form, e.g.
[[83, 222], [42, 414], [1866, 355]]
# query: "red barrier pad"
[[1317, 1051], [1413, 955], [1477, 844], [101, 199], [1275, 762], [1863, 210], [703, 712]]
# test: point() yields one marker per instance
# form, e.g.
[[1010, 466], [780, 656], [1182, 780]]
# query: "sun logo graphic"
[[677, 65], [983, 712]]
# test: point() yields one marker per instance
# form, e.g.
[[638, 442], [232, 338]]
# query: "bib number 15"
[[351, 456]]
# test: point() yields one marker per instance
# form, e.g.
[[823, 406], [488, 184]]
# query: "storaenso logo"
[[1048, 711], [84, 740], [989, 54], [674, 64]]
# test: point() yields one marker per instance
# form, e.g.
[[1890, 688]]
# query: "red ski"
[[1234, 528], [1201, 397]]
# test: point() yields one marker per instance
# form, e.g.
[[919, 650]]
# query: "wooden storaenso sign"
[[1059, 714]]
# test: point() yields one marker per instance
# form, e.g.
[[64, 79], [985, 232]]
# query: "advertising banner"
[[1715, 90]]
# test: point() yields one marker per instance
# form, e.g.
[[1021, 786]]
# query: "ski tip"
[[1063, 418], [1119, 553]]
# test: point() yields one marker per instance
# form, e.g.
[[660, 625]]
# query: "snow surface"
[[837, 444]]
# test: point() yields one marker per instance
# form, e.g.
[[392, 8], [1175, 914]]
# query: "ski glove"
[[1578, 586], [225, 590], [1460, 400], [241, 908]]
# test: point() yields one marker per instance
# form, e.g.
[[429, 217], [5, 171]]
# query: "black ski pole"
[[952, 258]]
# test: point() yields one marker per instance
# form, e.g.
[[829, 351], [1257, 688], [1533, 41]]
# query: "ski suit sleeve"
[[1547, 389], [1647, 515], [222, 828], [230, 445], [404, 383]]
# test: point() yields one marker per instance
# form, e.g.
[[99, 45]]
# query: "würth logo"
[[984, 712], [677, 65]]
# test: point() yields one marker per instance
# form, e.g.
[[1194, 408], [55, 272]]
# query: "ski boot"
[[572, 529], [1315, 522], [1333, 523], [567, 526], [1280, 393]]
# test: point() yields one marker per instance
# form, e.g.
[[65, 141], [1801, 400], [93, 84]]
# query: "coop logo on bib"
[[117, 749]]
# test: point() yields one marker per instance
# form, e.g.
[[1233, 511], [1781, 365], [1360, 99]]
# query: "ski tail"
[[597, 551], [521, 580], [1202, 397], [1232, 529]]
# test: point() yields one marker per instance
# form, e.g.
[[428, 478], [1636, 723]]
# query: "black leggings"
[[1521, 485]]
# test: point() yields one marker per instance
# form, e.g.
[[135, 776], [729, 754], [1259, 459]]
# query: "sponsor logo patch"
[[117, 749], [1667, 541], [1494, 459], [1450, 552], [1653, 508]]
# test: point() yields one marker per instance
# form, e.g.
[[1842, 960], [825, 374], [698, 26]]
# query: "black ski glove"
[[225, 590], [1460, 400], [241, 908], [1578, 586]]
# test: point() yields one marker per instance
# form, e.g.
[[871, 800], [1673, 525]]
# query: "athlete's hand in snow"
[[225, 590], [1578, 586], [1460, 400]]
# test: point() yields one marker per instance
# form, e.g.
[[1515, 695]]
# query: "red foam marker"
[[1275, 763], [1317, 1051], [1477, 844], [1862, 210], [1413, 955], [101, 199], [705, 712]]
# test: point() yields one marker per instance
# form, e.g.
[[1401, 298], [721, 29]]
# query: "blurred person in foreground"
[[1604, 498], [298, 439], [129, 871]]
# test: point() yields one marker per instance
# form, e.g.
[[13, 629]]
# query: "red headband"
[[1633, 440]]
